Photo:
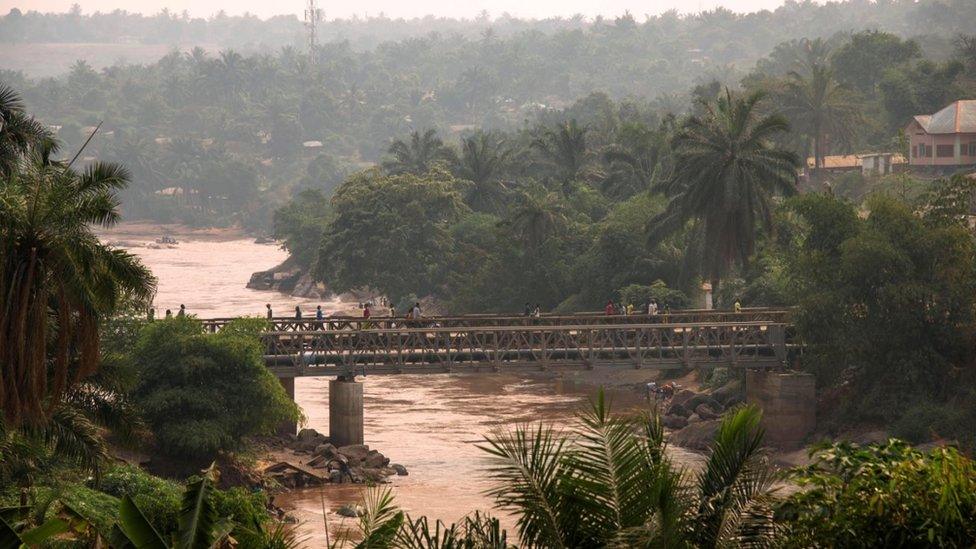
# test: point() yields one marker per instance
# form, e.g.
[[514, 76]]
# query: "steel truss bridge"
[[349, 346]]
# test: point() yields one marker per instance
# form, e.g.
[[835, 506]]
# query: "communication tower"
[[312, 16]]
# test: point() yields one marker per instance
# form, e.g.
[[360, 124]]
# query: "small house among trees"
[[946, 140]]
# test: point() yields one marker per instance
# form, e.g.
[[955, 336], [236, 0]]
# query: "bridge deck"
[[539, 347]]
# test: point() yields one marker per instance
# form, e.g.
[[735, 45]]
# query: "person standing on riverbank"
[[182, 312], [169, 314]]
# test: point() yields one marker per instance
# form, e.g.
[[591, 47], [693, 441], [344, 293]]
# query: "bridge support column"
[[789, 404], [288, 427], [345, 412]]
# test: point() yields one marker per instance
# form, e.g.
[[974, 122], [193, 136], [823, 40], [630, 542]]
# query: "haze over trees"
[[216, 137]]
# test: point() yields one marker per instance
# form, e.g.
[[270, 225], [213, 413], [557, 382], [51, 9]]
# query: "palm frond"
[[526, 467]]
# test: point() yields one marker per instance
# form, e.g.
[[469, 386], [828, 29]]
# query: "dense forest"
[[220, 138]]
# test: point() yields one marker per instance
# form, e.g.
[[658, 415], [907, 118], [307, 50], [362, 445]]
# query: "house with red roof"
[[946, 140]]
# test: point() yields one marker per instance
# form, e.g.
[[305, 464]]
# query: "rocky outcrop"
[[694, 417], [288, 278], [318, 461], [696, 436]]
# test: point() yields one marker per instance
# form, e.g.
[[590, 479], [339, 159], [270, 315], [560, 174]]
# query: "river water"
[[431, 424]]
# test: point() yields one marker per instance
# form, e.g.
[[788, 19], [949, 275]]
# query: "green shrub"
[[159, 499], [205, 393], [886, 495], [922, 423]]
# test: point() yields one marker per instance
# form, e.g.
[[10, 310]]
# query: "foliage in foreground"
[[611, 483], [885, 495]]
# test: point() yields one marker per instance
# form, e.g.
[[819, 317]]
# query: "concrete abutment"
[[789, 404]]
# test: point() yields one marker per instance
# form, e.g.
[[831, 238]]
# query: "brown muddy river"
[[429, 423]]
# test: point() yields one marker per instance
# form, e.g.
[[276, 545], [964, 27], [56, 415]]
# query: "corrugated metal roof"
[[958, 117]]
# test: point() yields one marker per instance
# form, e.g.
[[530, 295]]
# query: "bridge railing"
[[494, 348], [348, 323]]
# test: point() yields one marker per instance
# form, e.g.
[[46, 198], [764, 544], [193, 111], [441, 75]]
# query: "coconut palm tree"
[[564, 147], [58, 281], [821, 108], [482, 158], [419, 155], [726, 173], [609, 483]]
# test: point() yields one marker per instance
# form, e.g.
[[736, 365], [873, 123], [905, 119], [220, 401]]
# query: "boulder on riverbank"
[[317, 461], [696, 436], [693, 417]]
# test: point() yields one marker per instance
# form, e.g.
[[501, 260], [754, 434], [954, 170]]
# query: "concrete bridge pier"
[[789, 404], [288, 427], [345, 411]]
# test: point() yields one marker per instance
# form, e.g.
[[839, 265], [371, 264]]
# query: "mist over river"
[[428, 423]]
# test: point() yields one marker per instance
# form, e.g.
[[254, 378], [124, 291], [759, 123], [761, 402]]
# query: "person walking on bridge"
[[366, 311], [737, 307], [528, 309], [319, 315], [270, 314], [608, 310], [298, 312], [415, 312]]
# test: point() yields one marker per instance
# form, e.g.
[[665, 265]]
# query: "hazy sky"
[[399, 8]]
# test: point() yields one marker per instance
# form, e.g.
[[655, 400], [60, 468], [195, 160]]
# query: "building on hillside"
[[944, 141], [873, 163]]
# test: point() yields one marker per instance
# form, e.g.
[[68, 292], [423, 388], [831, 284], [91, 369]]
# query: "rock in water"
[[400, 470]]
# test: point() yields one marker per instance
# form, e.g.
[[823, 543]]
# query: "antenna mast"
[[312, 15]]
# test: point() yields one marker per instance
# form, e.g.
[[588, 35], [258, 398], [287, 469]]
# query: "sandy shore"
[[148, 230]]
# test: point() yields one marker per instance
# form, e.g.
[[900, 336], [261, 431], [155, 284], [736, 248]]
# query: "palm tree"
[[565, 148], [726, 172], [537, 215], [609, 483], [19, 132], [58, 281], [482, 158], [417, 157], [638, 160], [821, 108]]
